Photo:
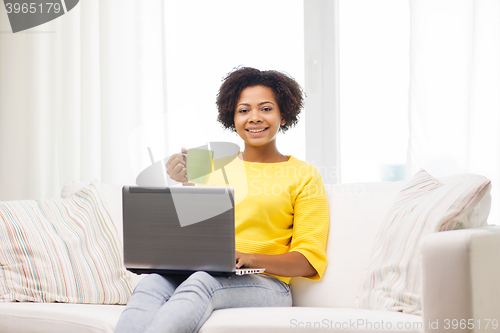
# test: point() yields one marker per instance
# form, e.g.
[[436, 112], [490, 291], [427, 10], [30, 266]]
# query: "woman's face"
[[257, 117]]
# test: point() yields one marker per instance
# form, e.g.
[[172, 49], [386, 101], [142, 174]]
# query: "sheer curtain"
[[454, 108], [75, 91], [83, 96]]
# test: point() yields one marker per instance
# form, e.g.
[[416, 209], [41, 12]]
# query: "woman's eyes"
[[263, 109]]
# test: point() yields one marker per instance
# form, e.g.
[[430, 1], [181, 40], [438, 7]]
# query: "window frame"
[[322, 87]]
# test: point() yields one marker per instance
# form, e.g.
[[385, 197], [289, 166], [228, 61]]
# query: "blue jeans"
[[164, 304]]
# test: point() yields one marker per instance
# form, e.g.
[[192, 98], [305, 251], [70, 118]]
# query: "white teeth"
[[256, 131]]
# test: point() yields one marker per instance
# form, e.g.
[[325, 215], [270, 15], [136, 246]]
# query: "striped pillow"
[[424, 206], [61, 250]]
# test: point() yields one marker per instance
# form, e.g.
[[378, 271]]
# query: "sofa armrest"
[[461, 280]]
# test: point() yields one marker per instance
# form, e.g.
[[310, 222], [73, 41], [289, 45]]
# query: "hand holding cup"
[[177, 169]]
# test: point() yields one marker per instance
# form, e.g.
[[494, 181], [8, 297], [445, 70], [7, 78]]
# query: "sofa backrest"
[[357, 211], [356, 214]]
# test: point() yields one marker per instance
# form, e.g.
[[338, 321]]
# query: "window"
[[205, 40], [374, 79]]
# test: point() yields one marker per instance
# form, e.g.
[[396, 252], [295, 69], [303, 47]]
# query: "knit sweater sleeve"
[[311, 223]]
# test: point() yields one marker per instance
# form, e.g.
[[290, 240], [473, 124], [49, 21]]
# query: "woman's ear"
[[283, 122]]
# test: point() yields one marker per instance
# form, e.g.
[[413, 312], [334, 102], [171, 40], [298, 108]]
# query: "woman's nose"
[[255, 116]]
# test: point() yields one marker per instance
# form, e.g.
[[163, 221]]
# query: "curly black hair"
[[287, 91]]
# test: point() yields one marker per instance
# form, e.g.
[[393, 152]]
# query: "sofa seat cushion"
[[90, 318], [58, 317], [310, 319]]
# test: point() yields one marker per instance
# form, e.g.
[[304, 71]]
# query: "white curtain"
[[454, 108], [81, 97]]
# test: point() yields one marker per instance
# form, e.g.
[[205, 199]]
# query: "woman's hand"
[[287, 264], [176, 167], [243, 259]]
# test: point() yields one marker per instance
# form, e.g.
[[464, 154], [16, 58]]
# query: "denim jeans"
[[168, 304]]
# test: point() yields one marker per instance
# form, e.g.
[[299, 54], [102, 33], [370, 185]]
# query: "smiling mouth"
[[257, 131]]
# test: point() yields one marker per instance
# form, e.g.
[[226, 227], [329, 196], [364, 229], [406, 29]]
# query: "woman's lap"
[[191, 302]]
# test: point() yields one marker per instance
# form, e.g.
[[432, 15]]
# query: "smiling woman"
[[258, 116], [281, 225], [257, 105]]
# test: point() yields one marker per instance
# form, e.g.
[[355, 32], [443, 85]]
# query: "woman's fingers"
[[178, 175], [176, 167], [179, 170], [184, 155], [240, 262], [174, 160]]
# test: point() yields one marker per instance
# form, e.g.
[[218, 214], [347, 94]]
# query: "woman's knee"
[[201, 276], [200, 282]]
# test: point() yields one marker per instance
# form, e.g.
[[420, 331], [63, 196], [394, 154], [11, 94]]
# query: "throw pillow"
[[424, 206], [61, 250]]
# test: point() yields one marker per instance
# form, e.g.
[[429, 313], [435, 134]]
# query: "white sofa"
[[461, 271]]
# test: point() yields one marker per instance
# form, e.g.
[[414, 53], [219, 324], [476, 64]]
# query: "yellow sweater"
[[280, 207]]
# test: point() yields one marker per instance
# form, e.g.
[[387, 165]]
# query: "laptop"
[[180, 230]]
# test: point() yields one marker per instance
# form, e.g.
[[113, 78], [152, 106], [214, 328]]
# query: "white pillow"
[[61, 250], [424, 206]]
